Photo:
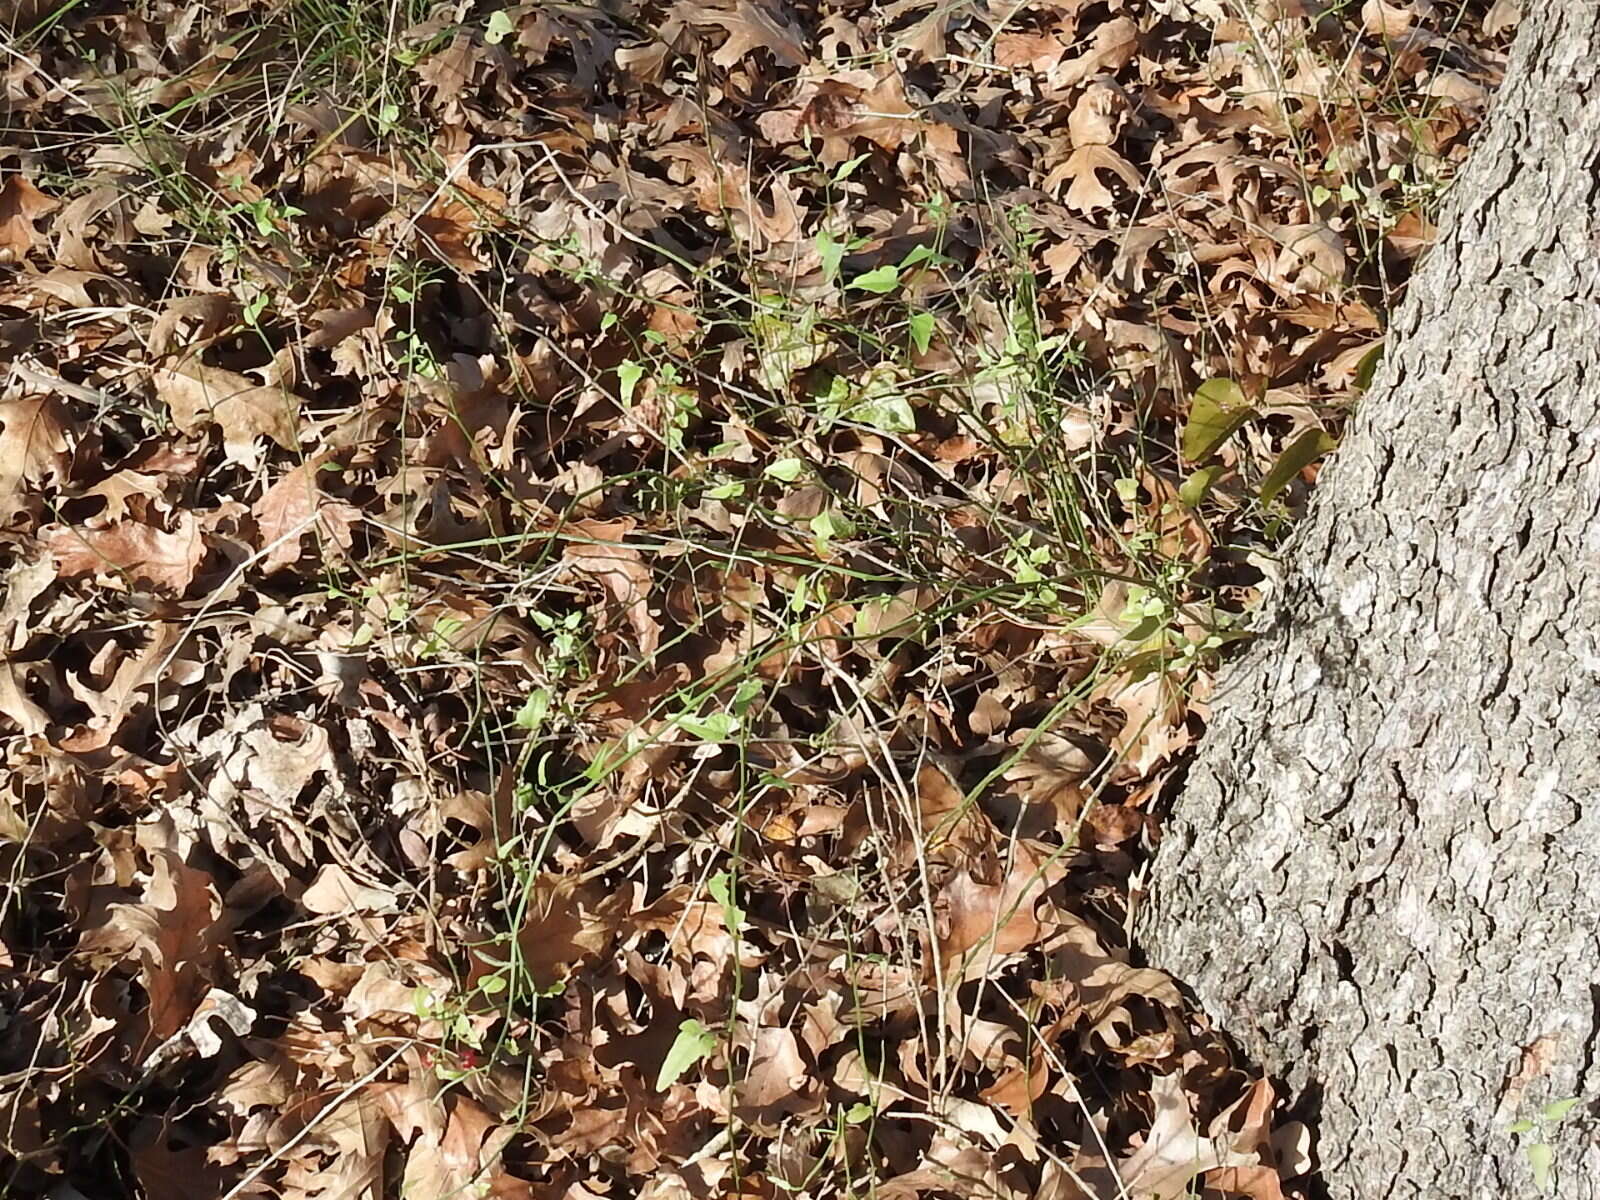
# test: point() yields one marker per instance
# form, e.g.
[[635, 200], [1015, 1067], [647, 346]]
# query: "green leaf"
[[1195, 488], [1521, 1127], [1302, 452], [534, 709], [746, 692], [884, 409], [858, 1113], [261, 210], [879, 281], [921, 325], [1542, 1159], [1368, 367], [714, 727], [1218, 408], [499, 28], [785, 469], [720, 886], [628, 375], [847, 169], [1557, 1110], [917, 254], [693, 1043], [827, 527], [725, 491], [831, 251], [492, 984]]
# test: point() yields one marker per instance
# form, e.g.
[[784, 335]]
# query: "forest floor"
[[605, 601]]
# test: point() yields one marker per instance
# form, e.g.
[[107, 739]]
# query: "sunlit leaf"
[[499, 27], [1195, 488], [1301, 453], [880, 280], [628, 375], [1541, 1161], [831, 251], [693, 1044], [714, 727], [921, 325], [1557, 1110], [720, 885], [1217, 409], [785, 469]]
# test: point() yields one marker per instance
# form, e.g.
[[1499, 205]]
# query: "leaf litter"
[[606, 600]]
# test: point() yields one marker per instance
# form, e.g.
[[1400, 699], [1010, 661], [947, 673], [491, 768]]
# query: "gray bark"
[[1383, 877]]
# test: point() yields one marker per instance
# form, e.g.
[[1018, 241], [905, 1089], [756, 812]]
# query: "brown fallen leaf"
[[295, 506], [33, 441], [1092, 984], [622, 572], [778, 1082], [199, 397], [989, 921], [460, 1156], [14, 701], [114, 699], [334, 891], [165, 1168], [130, 551], [749, 26], [563, 929], [173, 935], [20, 204], [1174, 1153], [1115, 43], [1155, 728]]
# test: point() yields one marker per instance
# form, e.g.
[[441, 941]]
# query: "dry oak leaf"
[[1174, 1152], [563, 930], [750, 27], [112, 700], [455, 220], [778, 1082], [20, 204], [130, 550], [14, 702], [293, 507], [462, 1159], [1050, 769], [1246, 1126], [1115, 43], [989, 921], [1312, 259], [621, 571], [200, 396], [33, 441], [173, 1169], [173, 936], [842, 107], [1036, 51], [334, 891], [1155, 728], [1092, 984]]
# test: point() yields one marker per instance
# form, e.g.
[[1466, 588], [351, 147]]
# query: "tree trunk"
[[1383, 877]]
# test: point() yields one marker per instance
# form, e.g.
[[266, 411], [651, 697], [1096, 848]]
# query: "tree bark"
[[1383, 876]]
